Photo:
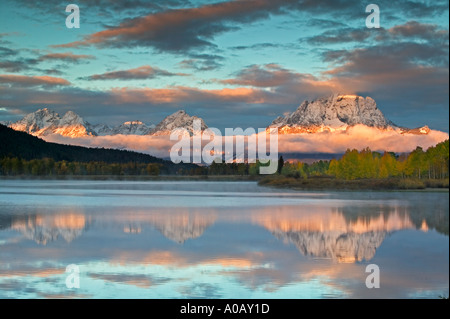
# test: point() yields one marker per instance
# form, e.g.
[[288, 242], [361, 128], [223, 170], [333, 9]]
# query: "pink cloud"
[[32, 80], [357, 137]]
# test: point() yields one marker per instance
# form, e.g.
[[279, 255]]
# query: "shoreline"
[[310, 184], [333, 184], [218, 178]]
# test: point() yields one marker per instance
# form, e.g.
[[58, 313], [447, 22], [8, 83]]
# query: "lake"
[[174, 239]]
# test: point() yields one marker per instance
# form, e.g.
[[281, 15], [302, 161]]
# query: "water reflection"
[[292, 246], [45, 228], [315, 231], [328, 234]]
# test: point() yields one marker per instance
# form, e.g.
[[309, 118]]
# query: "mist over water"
[[218, 240]]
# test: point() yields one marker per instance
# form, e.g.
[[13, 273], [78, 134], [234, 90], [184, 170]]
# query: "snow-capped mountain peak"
[[336, 113], [72, 125], [44, 122], [37, 123], [132, 128], [178, 120]]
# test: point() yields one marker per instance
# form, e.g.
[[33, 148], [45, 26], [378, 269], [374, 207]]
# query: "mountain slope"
[[28, 147], [132, 128], [178, 120], [337, 113], [44, 122]]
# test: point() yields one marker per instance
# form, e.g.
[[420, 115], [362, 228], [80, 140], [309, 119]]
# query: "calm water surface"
[[219, 240]]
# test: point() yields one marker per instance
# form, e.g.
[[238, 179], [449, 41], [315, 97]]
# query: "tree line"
[[430, 164], [49, 167]]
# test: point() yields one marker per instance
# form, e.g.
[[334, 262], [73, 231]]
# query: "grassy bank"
[[329, 183]]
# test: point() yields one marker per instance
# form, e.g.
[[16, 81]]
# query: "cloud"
[[108, 7], [414, 29], [22, 80], [269, 75], [258, 46], [4, 51], [18, 65], [66, 57], [357, 137], [286, 87], [201, 62], [342, 35], [363, 37], [182, 94], [143, 72], [181, 30], [404, 69]]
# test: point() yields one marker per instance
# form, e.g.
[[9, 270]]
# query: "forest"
[[430, 164], [24, 155]]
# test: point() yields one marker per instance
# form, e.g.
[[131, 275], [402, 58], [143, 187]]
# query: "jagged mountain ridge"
[[178, 120], [44, 122], [336, 113], [328, 114]]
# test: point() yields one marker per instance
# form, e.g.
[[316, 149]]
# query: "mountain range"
[[328, 114], [44, 122]]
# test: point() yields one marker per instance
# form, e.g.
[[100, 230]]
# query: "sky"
[[232, 63]]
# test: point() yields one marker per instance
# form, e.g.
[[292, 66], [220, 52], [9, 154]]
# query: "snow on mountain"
[[337, 113], [330, 114], [38, 123], [44, 122], [102, 129], [72, 125], [132, 128], [178, 120]]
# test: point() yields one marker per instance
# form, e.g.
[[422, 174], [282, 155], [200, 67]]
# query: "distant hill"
[[25, 146]]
